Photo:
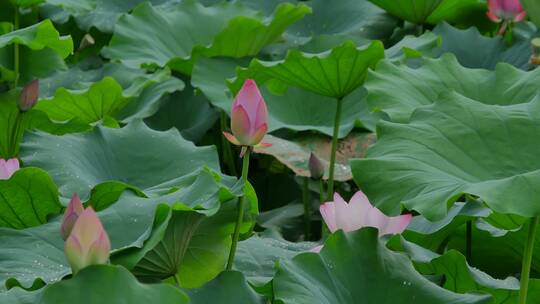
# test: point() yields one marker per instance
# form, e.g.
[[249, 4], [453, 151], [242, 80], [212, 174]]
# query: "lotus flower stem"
[[324, 230], [527, 259], [241, 203], [16, 47], [226, 147], [337, 122], [307, 209], [176, 279], [16, 136], [468, 252]]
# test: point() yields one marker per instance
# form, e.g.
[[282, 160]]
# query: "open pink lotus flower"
[[8, 167], [249, 116], [72, 213], [505, 11], [88, 244], [360, 213]]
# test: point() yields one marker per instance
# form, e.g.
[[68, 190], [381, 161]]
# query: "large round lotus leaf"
[[474, 50], [78, 162], [458, 276], [27, 199], [430, 11], [257, 256], [357, 268], [230, 287], [157, 35], [101, 14], [42, 54], [40, 36], [110, 284], [398, 89], [452, 147], [335, 73]]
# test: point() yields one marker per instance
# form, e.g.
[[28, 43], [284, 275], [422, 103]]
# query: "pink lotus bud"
[[505, 11], [88, 243], [8, 167], [316, 167], [249, 117], [360, 213], [29, 96], [72, 213]]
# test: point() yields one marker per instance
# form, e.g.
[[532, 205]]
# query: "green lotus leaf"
[[335, 73], [230, 287], [104, 99], [20, 296], [115, 284], [101, 14], [295, 152], [359, 21], [27, 199], [357, 267], [430, 11], [509, 246], [474, 50], [398, 90], [233, 30], [452, 147], [188, 111], [39, 36], [42, 55], [78, 162], [459, 277], [191, 240], [533, 10], [257, 256]]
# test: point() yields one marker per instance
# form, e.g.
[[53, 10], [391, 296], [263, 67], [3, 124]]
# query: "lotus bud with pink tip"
[[249, 116], [88, 243], [359, 213], [72, 213], [8, 167], [316, 167], [29, 96], [505, 11]]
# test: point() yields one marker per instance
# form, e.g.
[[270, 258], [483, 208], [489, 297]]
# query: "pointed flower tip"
[[316, 168], [29, 96], [8, 167], [88, 244], [72, 213]]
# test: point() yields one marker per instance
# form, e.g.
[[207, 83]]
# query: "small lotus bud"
[[72, 213], [29, 96], [249, 116], [316, 168], [87, 41], [88, 244]]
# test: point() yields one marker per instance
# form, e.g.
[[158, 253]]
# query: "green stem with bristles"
[[527, 259], [307, 209], [337, 122], [241, 203]]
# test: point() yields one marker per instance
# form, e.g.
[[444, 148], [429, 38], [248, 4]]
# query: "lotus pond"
[[269, 151]]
